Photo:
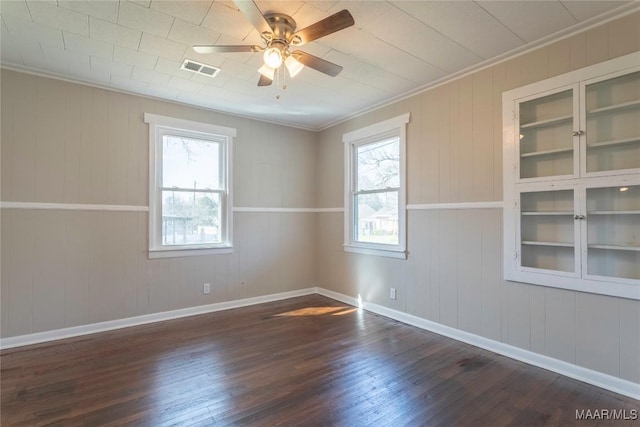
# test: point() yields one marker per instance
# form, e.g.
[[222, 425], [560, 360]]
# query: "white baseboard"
[[340, 297], [74, 331], [599, 379], [605, 381]]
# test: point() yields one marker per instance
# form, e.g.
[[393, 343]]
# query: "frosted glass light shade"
[[272, 57], [267, 71], [293, 66]]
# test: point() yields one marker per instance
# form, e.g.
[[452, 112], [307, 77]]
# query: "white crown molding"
[[598, 379], [61, 77], [601, 19], [580, 27]]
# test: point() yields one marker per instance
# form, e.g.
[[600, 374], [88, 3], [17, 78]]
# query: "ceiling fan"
[[278, 31]]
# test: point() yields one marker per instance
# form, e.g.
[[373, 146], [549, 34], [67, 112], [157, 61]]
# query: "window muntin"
[[192, 191], [375, 201], [189, 188], [377, 184]]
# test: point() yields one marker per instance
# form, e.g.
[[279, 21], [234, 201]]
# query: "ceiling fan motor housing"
[[283, 27]]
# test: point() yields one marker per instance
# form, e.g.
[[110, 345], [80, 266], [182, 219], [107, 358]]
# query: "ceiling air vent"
[[196, 67]]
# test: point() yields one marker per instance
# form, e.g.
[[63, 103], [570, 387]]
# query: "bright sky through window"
[[190, 163]]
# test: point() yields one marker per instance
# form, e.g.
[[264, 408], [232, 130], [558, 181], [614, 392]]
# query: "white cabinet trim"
[[578, 181]]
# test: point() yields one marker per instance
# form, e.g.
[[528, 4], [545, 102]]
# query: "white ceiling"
[[394, 48]]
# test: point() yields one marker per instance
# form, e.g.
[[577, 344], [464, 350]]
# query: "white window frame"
[[388, 128], [162, 125]]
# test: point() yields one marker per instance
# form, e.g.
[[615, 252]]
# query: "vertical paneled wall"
[[73, 144], [453, 274], [68, 143]]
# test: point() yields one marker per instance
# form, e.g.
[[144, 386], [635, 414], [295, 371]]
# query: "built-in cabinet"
[[572, 180]]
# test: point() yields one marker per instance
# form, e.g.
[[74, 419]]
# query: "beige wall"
[[68, 143], [453, 274]]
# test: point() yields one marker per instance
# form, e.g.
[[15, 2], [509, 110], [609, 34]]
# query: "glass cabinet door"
[[613, 124], [613, 231], [548, 230], [546, 136]]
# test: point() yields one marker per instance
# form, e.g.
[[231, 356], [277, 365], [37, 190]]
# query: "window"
[[375, 201], [189, 187]]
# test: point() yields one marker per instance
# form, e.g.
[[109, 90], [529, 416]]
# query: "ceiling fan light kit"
[[267, 71], [293, 66], [278, 31], [272, 57]]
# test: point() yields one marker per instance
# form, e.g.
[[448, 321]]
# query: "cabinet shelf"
[[570, 180], [613, 213], [624, 141], [547, 213], [547, 152], [554, 244], [614, 108], [547, 122], [615, 247]]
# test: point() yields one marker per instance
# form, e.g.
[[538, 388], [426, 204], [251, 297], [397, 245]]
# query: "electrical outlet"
[[392, 293], [206, 288]]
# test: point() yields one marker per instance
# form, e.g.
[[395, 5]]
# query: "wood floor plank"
[[308, 361]]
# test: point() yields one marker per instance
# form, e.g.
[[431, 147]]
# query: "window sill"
[[177, 253], [389, 253]]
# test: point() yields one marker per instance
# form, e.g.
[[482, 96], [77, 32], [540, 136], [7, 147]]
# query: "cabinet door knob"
[[576, 217], [578, 132]]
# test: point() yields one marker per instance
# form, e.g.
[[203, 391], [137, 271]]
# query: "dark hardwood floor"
[[304, 361]]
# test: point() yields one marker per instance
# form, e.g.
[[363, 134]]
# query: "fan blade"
[[333, 23], [228, 48], [316, 63], [253, 14], [264, 81]]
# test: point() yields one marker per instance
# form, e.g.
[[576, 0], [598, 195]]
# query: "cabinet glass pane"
[[613, 231], [547, 230], [613, 124], [546, 141]]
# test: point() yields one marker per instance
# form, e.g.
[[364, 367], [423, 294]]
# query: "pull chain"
[[280, 71]]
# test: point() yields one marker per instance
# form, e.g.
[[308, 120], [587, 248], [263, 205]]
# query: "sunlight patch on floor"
[[319, 311]]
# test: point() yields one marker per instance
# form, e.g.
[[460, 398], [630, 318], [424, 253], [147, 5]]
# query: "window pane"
[[190, 163], [378, 165], [190, 218], [377, 218]]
